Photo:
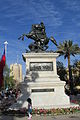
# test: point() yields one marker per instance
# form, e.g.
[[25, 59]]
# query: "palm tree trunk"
[[69, 67], [70, 75], [68, 61]]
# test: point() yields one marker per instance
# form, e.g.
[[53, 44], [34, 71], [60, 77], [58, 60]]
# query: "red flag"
[[2, 64], [3, 59]]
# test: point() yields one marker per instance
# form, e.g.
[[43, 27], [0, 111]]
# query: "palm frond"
[[67, 48]]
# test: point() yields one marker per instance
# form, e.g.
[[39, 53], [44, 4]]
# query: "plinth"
[[43, 84]]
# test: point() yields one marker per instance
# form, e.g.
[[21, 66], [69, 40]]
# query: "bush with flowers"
[[58, 111]]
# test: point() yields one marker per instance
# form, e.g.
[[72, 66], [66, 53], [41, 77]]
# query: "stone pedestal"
[[43, 84]]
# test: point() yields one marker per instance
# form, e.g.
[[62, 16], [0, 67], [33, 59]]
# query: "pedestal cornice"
[[40, 55]]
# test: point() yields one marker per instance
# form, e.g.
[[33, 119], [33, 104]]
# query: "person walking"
[[29, 108]]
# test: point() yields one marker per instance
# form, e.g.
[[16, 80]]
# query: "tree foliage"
[[61, 71], [76, 72], [8, 80], [67, 48]]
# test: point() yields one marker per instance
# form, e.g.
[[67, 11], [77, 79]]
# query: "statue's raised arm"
[[40, 38]]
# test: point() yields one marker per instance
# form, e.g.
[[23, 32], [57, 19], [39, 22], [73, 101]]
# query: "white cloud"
[[25, 10], [76, 20], [5, 8], [2, 28], [73, 5], [47, 12]]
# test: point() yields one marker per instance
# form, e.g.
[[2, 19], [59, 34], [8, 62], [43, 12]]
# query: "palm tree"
[[67, 49]]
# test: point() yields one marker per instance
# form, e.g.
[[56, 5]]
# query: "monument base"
[[42, 84], [46, 100], [48, 94], [45, 88]]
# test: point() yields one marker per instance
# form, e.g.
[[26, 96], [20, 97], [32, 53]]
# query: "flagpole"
[[5, 47]]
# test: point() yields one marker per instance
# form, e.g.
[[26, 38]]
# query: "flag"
[[3, 59], [2, 64]]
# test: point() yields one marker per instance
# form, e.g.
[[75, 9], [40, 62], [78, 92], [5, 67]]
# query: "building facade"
[[16, 71]]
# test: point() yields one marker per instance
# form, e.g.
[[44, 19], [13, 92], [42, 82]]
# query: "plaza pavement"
[[75, 116]]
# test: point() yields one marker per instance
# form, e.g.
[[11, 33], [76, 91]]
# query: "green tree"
[[67, 49], [76, 67], [76, 72], [8, 80], [61, 71]]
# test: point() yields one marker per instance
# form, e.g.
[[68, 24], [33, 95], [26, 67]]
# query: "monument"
[[43, 84]]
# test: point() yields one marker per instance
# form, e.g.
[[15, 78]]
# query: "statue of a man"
[[40, 38]]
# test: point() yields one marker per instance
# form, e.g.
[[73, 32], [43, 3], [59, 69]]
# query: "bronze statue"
[[40, 38]]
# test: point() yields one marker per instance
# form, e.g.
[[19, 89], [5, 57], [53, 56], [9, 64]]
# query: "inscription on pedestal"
[[41, 66], [42, 90]]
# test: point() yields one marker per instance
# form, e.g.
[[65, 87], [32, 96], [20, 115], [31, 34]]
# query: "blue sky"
[[61, 19]]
